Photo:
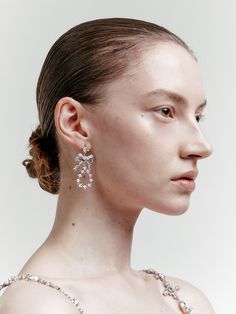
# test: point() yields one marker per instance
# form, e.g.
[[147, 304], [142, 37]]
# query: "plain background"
[[198, 246]]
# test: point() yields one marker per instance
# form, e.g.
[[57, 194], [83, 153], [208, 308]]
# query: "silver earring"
[[84, 162]]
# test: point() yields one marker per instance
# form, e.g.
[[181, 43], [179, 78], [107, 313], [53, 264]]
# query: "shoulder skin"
[[34, 298], [192, 295]]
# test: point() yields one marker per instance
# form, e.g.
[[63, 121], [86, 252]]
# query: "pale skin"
[[139, 143]]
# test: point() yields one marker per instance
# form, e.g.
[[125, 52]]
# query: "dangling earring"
[[81, 160]]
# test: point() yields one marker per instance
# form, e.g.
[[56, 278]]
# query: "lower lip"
[[184, 184]]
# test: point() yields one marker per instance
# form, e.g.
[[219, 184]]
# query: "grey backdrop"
[[198, 246]]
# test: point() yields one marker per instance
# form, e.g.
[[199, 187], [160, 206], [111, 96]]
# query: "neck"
[[92, 233]]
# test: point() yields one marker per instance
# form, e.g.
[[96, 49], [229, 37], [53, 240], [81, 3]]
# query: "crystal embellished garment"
[[169, 290]]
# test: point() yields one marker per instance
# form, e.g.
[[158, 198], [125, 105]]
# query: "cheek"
[[132, 155], [119, 148], [120, 156]]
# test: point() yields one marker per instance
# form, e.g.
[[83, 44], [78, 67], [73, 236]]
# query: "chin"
[[174, 208], [177, 212]]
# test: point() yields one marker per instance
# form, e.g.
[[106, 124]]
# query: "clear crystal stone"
[[34, 278]]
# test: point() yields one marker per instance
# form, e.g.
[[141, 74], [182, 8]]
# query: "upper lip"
[[190, 175]]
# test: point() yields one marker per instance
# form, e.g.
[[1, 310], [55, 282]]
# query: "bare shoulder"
[[33, 298], [192, 295]]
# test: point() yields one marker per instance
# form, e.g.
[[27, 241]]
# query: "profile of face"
[[147, 133]]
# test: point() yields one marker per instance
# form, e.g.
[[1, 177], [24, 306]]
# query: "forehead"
[[165, 66]]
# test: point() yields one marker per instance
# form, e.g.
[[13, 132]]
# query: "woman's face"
[[147, 133]]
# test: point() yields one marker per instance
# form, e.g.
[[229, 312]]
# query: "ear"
[[70, 122]]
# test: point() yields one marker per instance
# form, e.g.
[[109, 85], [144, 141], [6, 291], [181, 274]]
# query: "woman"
[[119, 104]]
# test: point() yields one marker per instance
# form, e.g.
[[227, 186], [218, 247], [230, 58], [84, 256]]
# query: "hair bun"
[[39, 166]]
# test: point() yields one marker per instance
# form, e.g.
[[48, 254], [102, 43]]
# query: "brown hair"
[[79, 65]]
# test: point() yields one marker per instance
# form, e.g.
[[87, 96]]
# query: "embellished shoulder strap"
[[30, 277], [170, 290]]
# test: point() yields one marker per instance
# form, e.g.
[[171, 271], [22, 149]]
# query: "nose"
[[194, 145]]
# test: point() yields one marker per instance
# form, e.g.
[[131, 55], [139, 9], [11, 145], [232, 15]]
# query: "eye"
[[165, 112], [199, 117]]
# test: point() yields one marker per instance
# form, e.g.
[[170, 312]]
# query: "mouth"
[[185, 184], [185, 181]]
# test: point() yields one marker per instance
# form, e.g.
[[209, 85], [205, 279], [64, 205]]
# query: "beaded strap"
[[34, 278], [170, 290]]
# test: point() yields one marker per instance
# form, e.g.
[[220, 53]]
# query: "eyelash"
[[199, 117], [164, 113]]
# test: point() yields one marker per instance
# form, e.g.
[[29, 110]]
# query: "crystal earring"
[[84, 162]]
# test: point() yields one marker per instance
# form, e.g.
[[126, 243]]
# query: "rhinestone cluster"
[[170, 290], [34, 278], [80, 160]]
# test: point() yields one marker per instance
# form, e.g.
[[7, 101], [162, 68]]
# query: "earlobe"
[[68, 115]]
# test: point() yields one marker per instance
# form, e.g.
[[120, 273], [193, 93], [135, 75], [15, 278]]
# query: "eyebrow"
[[176, 98]]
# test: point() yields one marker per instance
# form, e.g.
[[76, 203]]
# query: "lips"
[[189, 175], [185, 181]]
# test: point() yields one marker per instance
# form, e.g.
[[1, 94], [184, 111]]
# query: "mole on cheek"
[[142, 115], [73, 224], [69, 187]]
